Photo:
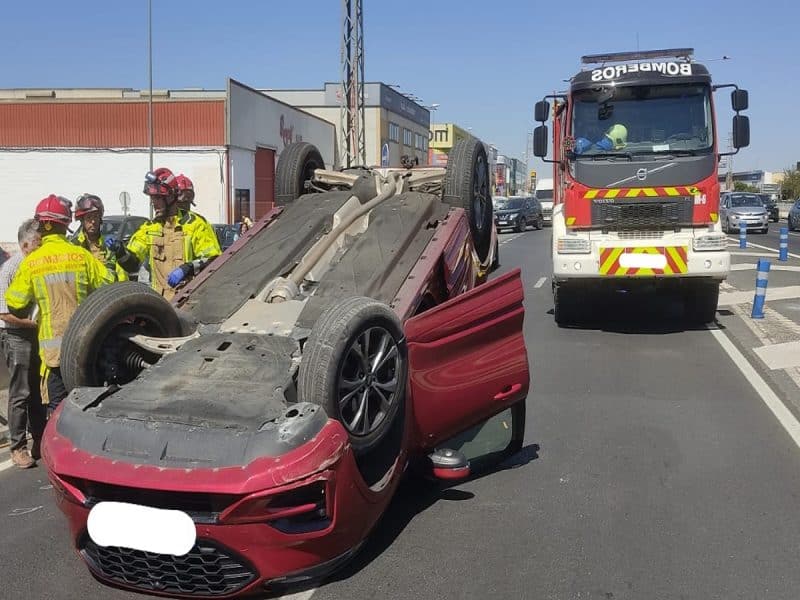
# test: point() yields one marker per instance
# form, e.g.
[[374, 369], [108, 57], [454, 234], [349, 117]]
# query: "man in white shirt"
[[19, 348]]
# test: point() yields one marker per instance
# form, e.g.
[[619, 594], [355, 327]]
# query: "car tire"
[[89, 340], [540, 223], [566, 306], [520, 226], [700, 303], [296, 165], [334, 374], [467, 185]]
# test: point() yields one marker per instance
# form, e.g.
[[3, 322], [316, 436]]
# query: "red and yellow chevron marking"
[[650, 192], [675, 255]]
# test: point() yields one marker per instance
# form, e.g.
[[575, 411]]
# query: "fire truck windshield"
[[631, 120]]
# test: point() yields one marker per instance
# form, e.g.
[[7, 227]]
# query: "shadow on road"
[[414, 496], [635, 313]]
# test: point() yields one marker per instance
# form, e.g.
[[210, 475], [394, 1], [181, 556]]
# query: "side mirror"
[[540, 141], [741, 131], [739, 100], [541, 111]]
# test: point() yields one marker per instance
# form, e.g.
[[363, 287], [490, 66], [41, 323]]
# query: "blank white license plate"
[[141, 528], [642, 261]]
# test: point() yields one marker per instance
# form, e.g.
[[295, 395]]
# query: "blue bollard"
[[762, 275], [783, 247], [742, 235]]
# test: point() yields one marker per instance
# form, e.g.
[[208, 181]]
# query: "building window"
[[420, 142], [241, 204], [408, 137], [394, 132]]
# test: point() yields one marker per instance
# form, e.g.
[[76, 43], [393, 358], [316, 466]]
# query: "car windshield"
[[499, 201], [745, 200], [514, 203], [546, 195], [110, 228], [663, 119]]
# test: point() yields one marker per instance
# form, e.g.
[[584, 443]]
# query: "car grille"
[[206, 570], [643, 214]]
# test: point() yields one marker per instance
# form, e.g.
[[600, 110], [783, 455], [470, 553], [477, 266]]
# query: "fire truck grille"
[[206, 570], [642, 214]]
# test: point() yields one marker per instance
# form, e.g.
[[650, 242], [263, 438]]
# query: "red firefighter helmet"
[[88, 203], [160, 182], [185, 188], [54, 209]]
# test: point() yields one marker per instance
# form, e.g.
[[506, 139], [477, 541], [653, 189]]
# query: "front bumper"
[[713, 265], [229, 559], [750, 222]]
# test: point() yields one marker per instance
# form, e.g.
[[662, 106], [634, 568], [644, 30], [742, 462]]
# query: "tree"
[[741, 186], [790, 186]]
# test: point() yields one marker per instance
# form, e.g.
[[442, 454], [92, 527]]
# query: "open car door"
[[467, 359]]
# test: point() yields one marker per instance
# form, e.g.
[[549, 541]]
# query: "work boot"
[[36, 449], [22, 459]]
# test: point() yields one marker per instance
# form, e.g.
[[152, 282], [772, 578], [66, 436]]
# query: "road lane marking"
[[6, 464], [775, 293], [749, 244], [780, 356], [540, 283], [770, 398], [751, 266], [299, 595]]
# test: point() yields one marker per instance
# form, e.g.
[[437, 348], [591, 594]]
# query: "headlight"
[[576, 245], [512, 215], [709, 243]]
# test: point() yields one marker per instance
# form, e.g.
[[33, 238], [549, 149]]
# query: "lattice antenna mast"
[[352, 143]]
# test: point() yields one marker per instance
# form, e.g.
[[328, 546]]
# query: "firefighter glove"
[[179, 274], [116, 247]]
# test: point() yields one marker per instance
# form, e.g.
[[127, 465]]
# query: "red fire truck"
[[636, 194]]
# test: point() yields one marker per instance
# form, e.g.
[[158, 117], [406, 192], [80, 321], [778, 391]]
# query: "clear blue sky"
[[485, 63]]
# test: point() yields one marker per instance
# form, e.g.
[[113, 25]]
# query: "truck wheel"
[[94, 351], [467, 185], [700, 303], [296, 165], [355, 366], [565, 305]]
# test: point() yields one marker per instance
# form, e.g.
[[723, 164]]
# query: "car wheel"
[[95, 350], [540, 223], [355, 366], [700, 303], [467, 185], [520, 226], [295, 167]]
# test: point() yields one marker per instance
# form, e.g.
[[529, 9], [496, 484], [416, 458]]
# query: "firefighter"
[[89, 211], [615, 138], [176, 244], [186, 194], [56, 278]]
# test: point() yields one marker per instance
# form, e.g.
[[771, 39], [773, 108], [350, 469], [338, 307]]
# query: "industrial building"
[[72, 141]]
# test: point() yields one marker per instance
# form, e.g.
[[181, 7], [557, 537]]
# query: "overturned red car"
[[251, 434]]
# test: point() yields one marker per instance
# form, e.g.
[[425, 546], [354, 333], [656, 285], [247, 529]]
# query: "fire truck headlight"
[[710, 243], [576, 245]]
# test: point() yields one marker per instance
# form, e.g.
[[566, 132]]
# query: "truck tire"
[[296, 165], [90, 343], [355, 365], [467, 185], [700, 303], [565, 305]]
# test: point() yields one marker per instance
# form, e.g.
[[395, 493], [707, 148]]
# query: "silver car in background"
[[736, 208]]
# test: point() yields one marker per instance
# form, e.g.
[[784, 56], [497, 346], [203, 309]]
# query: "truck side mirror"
[[739, 100], [540, 141], [741, 131], [541, 111]]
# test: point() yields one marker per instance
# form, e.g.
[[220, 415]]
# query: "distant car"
[[772, 207], [517, 212], [794, 216], [227, 234], [743, 207]]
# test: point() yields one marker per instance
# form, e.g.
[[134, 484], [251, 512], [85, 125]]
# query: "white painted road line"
[[783, 414], [540, 283], [780, 356], [299, 595], [770, 254], [751, 244], [751, 266], [6, 464], [777, 293]]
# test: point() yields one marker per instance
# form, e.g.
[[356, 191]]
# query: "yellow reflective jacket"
[[101, 253], [181, 239], [57, 277]]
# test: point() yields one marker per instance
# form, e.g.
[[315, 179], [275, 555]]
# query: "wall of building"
[[32, 175]]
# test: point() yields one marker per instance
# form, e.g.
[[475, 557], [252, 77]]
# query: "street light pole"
[[150, 74]]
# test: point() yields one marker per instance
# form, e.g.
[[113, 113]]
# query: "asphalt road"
[[651, 470]]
